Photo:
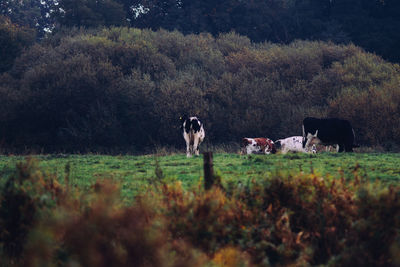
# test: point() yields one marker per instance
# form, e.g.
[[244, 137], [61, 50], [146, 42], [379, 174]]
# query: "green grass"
[[137, 173]]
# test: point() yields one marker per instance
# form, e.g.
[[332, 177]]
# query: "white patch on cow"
[[329, 148], [252, 147], [267, 150], [314, 149]]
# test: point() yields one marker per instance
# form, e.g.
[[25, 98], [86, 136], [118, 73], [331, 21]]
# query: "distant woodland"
[[80, 75]]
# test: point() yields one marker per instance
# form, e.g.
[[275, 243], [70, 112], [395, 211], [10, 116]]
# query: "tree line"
[[124, 89], [371, 24]]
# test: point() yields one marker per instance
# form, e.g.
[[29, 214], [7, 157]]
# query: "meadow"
[[137, 174]]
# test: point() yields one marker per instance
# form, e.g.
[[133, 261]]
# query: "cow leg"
[[187, 141], [190, 145], [188, 150], [196, 146], [341, 147], [348, 148]]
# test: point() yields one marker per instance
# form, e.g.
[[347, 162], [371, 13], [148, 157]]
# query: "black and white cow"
[[293, 144], [193, 133], [328, 131]]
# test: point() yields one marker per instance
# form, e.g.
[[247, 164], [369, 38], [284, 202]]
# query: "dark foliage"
[[91, 13], [124, 89], [371, 24], [13, 39]]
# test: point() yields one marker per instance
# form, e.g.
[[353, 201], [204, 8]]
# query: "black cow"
[[328, 131]]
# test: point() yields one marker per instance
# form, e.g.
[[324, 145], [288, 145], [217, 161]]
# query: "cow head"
[[278, 144], [311, 139], [183, 118], [249, 146]]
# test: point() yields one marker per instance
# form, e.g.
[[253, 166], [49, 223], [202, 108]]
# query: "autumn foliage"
[[284, 220]]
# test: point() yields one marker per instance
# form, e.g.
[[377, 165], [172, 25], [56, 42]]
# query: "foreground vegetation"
[[295, 209]]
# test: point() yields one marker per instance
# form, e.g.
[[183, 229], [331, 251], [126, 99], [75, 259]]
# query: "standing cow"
[[329, 131], [193, 133], [259, 145], [293, 144]]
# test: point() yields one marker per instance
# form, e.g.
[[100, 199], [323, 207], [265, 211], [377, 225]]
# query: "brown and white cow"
[[193, 133], [259, 145]]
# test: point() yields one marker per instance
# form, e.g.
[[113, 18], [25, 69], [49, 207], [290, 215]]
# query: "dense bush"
[[124, 89], [296, 220], [13, 39]]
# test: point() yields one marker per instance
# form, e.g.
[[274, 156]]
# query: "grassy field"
[[137, 173]]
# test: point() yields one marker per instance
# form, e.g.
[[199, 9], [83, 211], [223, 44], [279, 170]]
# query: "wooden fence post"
[[208, 170]]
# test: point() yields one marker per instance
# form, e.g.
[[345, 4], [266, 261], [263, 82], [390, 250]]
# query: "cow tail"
[[304, 136], [191, 137]]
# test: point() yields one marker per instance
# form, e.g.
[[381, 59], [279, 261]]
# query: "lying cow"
[[259, 145], [193, 133], [293, 144], [330, 131]]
